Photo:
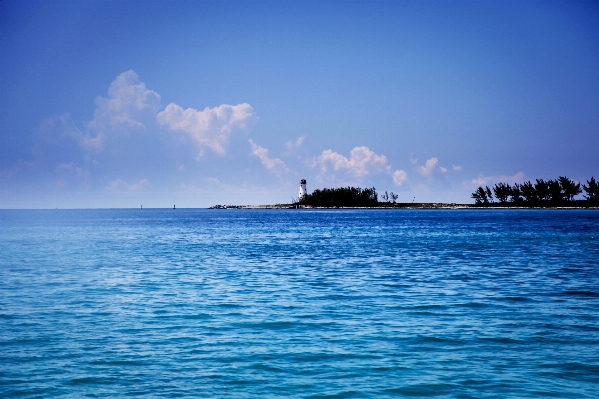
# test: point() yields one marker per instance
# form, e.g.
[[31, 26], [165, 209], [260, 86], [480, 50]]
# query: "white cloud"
[[211, 127], [362, 162], [274, 165], [456, 168], [429, 167], [122, 186], [125, 132], [400, 177], [483, 180], [128, 106]]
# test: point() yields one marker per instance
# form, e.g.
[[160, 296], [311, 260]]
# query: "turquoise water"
[[298, 303]]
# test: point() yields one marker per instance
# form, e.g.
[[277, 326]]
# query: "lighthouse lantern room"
[[302, 190]]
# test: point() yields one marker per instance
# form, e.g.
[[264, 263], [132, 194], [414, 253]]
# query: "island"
[[558, 193]]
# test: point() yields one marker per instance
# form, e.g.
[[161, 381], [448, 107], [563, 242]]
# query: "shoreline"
[[426, 205]]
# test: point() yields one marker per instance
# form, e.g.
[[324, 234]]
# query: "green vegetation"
[[344, 196], [560, 191]]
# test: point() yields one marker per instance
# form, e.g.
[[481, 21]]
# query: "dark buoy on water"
[[173, 207], [141, 207]]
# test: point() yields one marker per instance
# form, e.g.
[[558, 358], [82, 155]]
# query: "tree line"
[[343, 196], [559, 191]]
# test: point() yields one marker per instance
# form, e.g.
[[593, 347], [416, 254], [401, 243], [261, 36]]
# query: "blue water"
[[299, 303]]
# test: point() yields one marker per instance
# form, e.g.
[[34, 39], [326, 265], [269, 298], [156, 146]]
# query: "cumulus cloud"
[[400, 177], [274, 165], [483, 180], [129, 105], [122, 186], [429, 166], [210, 128], [361, 163], [128, 138], [456, 168]]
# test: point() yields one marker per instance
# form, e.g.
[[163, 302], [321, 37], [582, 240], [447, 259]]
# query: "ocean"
[[197, 303]]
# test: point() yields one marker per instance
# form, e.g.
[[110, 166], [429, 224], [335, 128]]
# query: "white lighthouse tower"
[[303, 191]]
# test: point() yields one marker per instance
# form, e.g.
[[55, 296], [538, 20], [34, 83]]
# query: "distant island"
[[558, 193]]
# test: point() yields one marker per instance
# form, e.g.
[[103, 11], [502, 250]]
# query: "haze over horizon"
[[122, 104]]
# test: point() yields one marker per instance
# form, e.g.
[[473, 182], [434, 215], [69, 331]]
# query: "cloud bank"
[[129, 139]]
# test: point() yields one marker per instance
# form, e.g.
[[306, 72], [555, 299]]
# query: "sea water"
[[299, 303]]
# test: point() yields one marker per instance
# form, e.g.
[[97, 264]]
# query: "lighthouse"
[[302, 190]]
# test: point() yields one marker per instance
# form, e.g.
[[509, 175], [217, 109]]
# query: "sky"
[[195, 103]]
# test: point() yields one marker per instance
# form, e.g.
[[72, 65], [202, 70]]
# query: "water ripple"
[[312, 304]]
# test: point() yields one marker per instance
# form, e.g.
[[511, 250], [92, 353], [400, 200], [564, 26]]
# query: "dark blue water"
[[306, 304]]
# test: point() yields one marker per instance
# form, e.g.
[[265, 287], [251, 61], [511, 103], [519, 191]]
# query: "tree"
[[528, 192], [480, 196], [556, 191], [542, 190], [344, 196], [489, 193], [516, 193], [592, 190], [570, 188], [385, 197], [556, 194], [389, 198], [502, 192]]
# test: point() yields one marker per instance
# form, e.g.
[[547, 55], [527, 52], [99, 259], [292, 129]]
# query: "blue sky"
[[124, 103]]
